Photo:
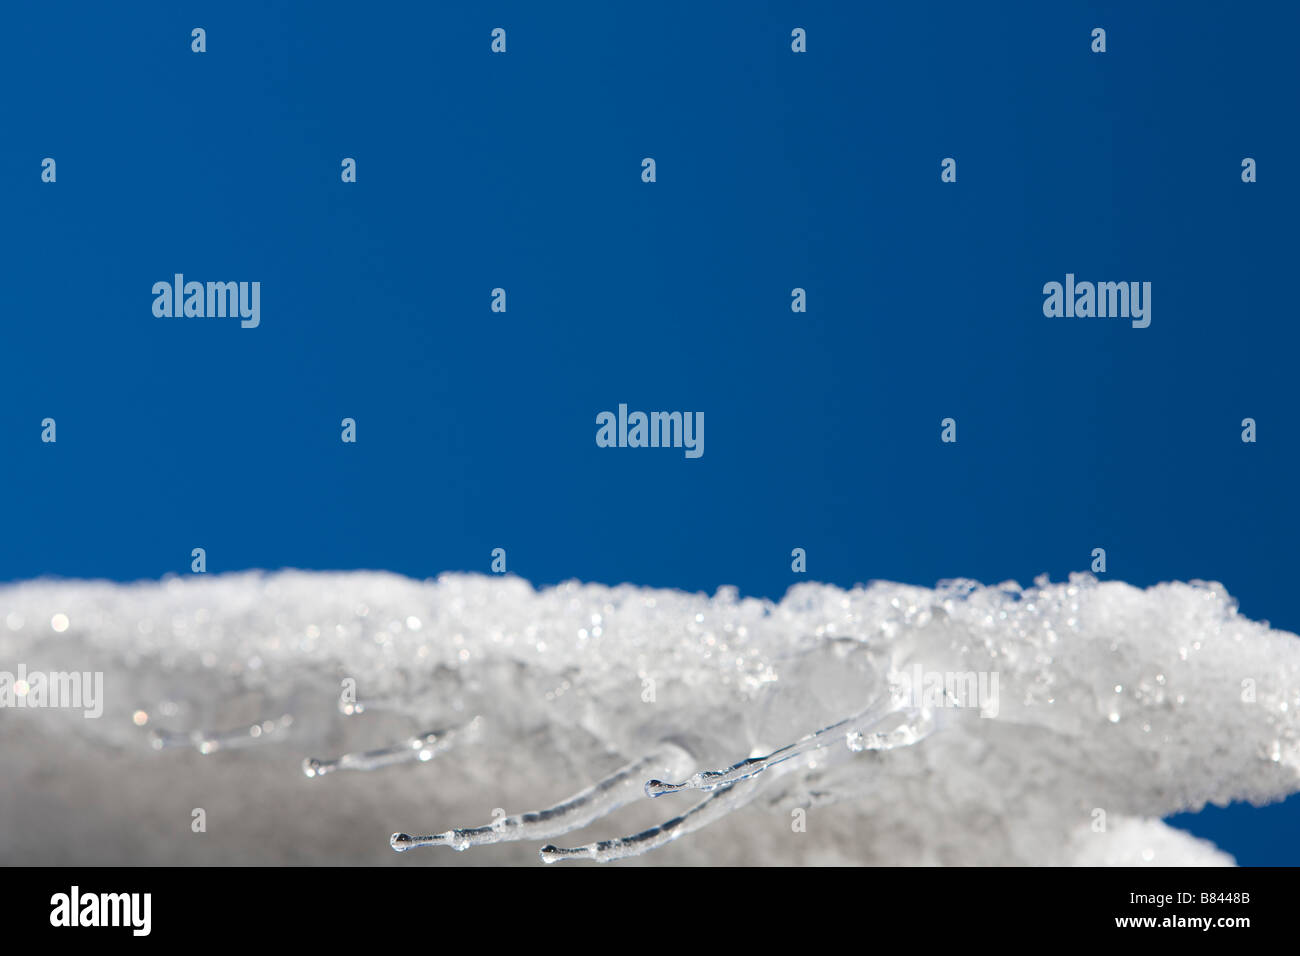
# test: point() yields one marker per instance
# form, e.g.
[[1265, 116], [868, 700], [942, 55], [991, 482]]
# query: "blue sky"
[[821, 171]]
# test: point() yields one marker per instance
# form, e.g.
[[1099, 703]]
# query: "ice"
[[1062, 723]]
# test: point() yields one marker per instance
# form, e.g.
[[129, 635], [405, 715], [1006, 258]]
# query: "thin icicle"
[[899, 729], [209, 742], [862, 731], [596, 801], [420, 748], [717, 805]]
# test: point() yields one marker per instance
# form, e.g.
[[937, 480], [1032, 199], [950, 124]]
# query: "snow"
[[1115, 706]]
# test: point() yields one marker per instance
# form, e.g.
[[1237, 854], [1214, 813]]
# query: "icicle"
[[901, 729], [596, 801], [422, 748], [729, 797], [208, 742], [859, 732]]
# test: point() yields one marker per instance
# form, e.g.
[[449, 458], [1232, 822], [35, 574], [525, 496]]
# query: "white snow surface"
[[1115, 707]]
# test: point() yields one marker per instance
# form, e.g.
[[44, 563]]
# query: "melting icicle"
[[717, 805], [421, 748], [906, 726], [596, 801], [879, 727], [207, 742]]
